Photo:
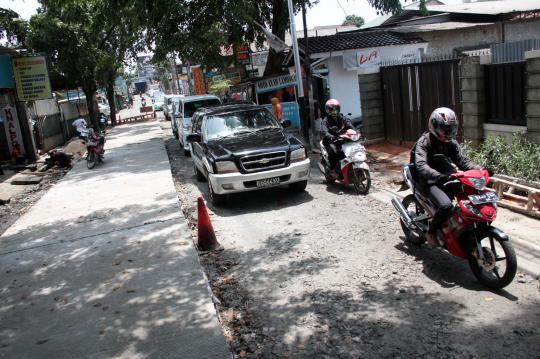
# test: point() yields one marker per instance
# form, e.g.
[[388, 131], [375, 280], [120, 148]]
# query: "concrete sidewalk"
[[103, 266]]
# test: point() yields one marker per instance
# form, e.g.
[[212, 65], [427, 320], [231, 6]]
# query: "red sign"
[[371, 57], [13, 131]]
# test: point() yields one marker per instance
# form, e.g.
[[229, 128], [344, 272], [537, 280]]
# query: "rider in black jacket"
[[333, 124], [431, 172]]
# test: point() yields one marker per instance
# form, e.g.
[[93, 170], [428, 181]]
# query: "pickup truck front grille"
[[264, 161]]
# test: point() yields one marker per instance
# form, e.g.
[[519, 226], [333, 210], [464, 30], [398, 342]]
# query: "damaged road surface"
[[326, 274]]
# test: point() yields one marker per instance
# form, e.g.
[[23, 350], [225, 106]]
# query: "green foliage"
[[13, 28], [218, 88], [353, 20], [393, 6], [520, 158]]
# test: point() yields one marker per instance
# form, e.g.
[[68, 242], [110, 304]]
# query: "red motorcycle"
[[467, 233], [95, 144]]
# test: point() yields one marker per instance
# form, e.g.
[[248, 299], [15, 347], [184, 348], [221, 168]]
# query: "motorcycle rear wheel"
[[481, 269], [361, 180], [414, 209], [91, 160]]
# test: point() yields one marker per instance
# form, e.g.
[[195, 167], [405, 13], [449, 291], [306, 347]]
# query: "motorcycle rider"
[[332, 125], [432, 173]]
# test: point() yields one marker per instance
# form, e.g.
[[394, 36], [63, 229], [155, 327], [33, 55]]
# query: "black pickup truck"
[[242, 147]]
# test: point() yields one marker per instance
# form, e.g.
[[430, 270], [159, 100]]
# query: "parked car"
[[168, 103], [182, 112], [158, 100], [239, 148]]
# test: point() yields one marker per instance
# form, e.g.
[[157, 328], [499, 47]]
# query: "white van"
[[182, 112]]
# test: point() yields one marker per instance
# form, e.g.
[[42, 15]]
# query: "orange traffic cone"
[[206, 237]]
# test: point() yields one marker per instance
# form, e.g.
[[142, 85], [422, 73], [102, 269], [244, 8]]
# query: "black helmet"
[[443, 124]]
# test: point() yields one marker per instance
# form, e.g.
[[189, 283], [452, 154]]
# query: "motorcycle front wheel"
[[91, 160], [499, 266], [361, 180]]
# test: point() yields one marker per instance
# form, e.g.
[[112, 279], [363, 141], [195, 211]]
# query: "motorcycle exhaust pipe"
[[321, 167], [402, 211]]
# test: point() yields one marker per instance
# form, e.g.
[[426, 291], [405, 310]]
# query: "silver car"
[[183, 110], [168, 105]]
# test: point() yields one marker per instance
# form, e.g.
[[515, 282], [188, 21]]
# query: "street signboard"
[[275, 83], [6, 72], [13, 131], [32, 78], [319, 71]]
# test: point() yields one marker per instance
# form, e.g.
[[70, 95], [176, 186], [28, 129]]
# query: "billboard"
[[6, 73], [32, 78]]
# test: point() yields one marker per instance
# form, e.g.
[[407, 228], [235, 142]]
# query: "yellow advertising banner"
[[32, 78]]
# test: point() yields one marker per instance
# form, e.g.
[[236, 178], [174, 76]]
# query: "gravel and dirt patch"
[[19, 204], [326, 274]]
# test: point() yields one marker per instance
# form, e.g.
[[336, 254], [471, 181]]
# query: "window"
[[191, 107], [239, 122], [198, 124]]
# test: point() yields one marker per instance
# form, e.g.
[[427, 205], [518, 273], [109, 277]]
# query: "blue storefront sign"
[[291, 112], [6, 72]]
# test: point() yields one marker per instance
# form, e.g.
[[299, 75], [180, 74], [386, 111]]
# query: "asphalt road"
[[326, 273]]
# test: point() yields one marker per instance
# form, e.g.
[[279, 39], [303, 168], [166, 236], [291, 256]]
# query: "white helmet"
[[443, 124]]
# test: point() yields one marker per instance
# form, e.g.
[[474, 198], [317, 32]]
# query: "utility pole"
[[300, 93], [309, 80]]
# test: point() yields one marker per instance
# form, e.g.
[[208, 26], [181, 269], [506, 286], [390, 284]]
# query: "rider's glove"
[[444, 179]]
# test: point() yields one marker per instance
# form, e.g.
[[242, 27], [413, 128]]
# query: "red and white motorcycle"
[[353, 169]]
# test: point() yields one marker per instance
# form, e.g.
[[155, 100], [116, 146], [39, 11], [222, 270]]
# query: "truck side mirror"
[[194, 137]]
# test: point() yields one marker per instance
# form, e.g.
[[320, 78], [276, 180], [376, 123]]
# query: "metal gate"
[[411, 92]]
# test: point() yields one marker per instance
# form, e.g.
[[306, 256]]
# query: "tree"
[[198, 29], [86, 42], [353, 20], [13, 28]]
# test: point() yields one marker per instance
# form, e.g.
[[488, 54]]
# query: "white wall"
[[344, 86]]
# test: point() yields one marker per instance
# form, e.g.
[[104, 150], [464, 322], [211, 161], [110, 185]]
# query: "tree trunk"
[[90, 103], [279, 12], [112, 102]]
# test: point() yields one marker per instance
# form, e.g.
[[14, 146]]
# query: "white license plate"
[[268, 182], [487, 197]]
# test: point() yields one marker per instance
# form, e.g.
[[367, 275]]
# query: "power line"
[[342, 8]]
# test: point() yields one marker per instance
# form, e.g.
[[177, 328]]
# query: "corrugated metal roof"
[[443, 26]]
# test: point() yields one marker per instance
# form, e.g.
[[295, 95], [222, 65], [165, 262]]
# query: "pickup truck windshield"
[[191, 107], [239, 122]]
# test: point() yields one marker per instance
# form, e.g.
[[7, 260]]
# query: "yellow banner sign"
[[32, 78]]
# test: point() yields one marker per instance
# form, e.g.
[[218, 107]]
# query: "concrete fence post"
[[533, 95], [473, 99], [371, 102]]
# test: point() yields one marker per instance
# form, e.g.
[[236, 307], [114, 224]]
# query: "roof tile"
[[357, 40]]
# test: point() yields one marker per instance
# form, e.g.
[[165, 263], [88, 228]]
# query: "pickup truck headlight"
[[298, 155], [226, 167]]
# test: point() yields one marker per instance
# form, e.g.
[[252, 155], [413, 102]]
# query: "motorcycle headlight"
[[226, 167], [298, 155], [478, 183], [355, 137]]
